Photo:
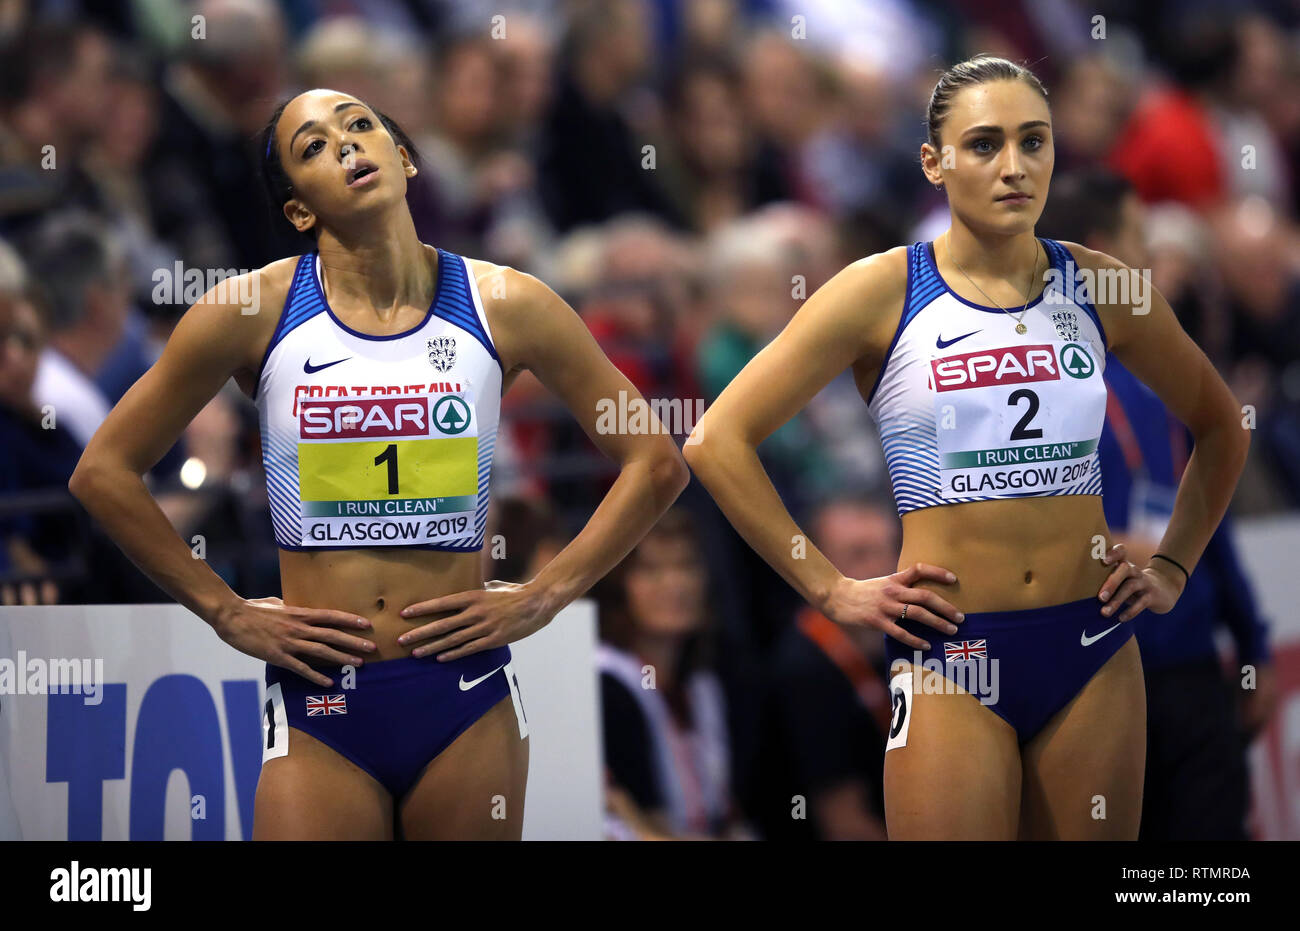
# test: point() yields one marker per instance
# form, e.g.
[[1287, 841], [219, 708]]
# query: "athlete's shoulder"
[[505, 285], [522, 312], [236, 317], [863, 302], [1089, 259], [250, 294], [884, 274]]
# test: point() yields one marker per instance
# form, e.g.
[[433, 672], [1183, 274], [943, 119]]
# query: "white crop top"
[[970, 410], [380, 440]]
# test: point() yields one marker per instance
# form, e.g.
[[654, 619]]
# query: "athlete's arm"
[[1146, 336], [213, 341], [851, 317], [534, 329]]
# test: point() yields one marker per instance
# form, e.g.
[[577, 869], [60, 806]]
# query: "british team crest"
[[442, 352], [1067, 324]]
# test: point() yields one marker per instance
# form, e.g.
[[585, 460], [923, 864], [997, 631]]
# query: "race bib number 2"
[[1009, 419], [391, 471]]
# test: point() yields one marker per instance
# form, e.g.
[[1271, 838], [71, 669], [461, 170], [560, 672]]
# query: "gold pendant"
[[1021, 329]]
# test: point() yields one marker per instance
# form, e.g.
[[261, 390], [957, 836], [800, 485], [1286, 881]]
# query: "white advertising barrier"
[[1270, 554], [156, 731]]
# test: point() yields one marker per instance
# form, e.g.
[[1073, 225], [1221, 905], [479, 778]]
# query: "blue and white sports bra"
[[970, 410], [380, 440]]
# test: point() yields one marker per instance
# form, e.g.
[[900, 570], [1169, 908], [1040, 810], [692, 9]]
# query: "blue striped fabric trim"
[[1059, 256], [298, 308], [923, 286], [282, 487], [914, 496], [455, 303], [933, 263]]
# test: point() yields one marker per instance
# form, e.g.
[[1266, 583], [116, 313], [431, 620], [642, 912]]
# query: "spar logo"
[[451, 414], [982, 368], [1010, 365], [363, 418], [1076, 361]]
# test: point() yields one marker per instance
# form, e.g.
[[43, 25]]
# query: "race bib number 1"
[[387, 470]]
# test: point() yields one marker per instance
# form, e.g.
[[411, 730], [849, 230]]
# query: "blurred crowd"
[[684, 173]]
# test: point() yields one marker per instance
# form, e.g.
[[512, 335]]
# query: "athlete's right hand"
[[280, 634], [879, 603]]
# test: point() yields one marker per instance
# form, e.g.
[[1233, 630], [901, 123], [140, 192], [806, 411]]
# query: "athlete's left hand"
[[486, 618], [1143, 589]]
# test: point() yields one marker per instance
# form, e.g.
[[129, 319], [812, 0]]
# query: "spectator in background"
[[664, 713], [472, 172], [1196, 741], [638, 304], [1090, 105], [751, 282], [1171, 147], [54, 100], [348, 53], [520, 229], [1181, 253], [784, 99], [115, 163], [395, 75], [829, 687], [717, 171], [523, 536], [79, 272], [590, 155], [201, 173], [1255, 251], [866, 157], [527, 73], [37, 457], [1251, 123]]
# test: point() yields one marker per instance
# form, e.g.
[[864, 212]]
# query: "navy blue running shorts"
[[396, 716], [1024, 665]]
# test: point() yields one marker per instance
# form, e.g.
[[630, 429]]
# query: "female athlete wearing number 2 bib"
[[1023, 714], [377, 364]]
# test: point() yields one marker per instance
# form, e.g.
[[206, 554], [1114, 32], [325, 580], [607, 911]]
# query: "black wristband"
[[1186, 575]]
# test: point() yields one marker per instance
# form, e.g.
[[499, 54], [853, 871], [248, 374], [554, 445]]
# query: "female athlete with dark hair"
[[377, 364], [980, 358]]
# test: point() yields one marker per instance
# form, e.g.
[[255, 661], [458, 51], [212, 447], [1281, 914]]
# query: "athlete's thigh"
[[957, 777], [1084, 770], [316, 793], [474, 789]]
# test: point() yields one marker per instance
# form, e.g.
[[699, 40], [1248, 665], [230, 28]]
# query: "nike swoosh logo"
[[466, 686], [941, 343], [1085, 640], [309, 368]]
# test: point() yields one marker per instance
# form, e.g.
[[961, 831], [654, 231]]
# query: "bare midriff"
[[377, 584], [1011, 555]]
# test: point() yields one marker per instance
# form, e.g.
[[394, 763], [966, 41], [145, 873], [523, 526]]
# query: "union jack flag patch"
[[327, 704], [965, 649]]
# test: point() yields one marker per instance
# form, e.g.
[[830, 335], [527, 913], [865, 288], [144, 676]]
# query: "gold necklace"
[[1020, 327]]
